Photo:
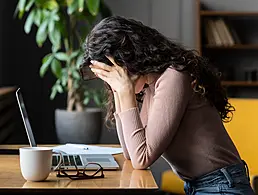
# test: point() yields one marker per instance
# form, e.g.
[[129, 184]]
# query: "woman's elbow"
[[140, 165], [126, 156]]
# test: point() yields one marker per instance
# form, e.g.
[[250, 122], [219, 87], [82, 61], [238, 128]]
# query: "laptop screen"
[[25, 118]]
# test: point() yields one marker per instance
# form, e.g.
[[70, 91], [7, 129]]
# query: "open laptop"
[[107, 161]]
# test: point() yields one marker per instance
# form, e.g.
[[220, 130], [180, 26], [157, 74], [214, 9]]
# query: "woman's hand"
[[119, 80], [116, 76]]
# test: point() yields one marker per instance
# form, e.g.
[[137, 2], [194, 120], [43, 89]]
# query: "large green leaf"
[[51, 26], [69, 2], [72, 7], [38, 17], [50, 4], [79, 61], [56, 68], [40, 3], [54, 15], [29, 22], [76, 75], [54, 49], [87, 93], [74, 54], [87, 97], [86, 100], [52, 18], [29, 5], [21, 5], [93, 6], [53, 93], [45, 64], [21, 8], [59, 88], [61, 56], [41, 35], [74, 72], [55, 37], [46, 14], [81, 5], [64, 77], [96, 99]]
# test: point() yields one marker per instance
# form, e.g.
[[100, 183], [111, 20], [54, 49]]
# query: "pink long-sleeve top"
[[177, 124]]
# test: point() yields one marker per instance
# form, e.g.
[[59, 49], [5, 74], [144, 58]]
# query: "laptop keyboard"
[[69, 160]]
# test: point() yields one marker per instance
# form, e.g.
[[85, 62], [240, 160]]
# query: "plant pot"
[[78, 127]]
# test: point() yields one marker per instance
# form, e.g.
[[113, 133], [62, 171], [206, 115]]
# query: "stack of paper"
[[86, 149]]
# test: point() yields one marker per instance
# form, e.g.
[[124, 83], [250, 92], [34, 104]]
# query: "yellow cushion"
[[243, 130], [172, 183]]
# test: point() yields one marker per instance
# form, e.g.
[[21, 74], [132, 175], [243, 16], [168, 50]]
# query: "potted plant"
[[65, 25]]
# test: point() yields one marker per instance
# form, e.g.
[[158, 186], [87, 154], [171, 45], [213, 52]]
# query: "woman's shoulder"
[[171, 76], [172, 71]]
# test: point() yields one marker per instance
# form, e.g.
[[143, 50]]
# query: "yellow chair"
[[170, 182], [243, 130]]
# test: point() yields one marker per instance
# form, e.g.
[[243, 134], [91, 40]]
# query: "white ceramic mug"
[[36, 163]]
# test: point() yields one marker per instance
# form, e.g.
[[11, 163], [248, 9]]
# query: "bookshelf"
[[235, 46], [240, 83], [224, 37], [227, 13]]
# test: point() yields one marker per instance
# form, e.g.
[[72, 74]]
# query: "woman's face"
[[139, 82]]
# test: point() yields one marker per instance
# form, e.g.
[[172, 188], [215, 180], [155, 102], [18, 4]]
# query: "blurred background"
[[188, 22]]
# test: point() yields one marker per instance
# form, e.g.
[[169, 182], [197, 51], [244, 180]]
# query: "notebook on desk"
[[107, 161]]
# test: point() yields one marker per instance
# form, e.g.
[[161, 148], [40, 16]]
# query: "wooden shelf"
[[206, 47], [227, 13], [240, 83], [236, 46]]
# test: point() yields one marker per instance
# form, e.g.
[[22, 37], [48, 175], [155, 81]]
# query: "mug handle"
[[60, 161]]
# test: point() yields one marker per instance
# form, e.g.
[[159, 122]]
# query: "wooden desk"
[[126, 180]]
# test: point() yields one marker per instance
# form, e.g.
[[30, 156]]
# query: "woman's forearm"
[[117, 103], [127, 100], [119, 127]]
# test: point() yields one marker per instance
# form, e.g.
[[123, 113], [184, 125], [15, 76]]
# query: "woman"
[[182, 111]]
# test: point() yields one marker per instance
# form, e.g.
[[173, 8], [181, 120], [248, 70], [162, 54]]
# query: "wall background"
[[174, 18]]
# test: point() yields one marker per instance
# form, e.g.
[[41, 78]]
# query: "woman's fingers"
[[101, 65], [106, 79], [106, 71], [105, 66], [119, 69], [100, 72]]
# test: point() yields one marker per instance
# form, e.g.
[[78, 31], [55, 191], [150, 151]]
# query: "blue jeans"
[[233, 179]]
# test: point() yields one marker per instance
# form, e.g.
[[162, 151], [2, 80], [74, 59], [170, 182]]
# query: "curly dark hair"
[[143, 50]]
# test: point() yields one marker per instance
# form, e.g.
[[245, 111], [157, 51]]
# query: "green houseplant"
[[65, 25]]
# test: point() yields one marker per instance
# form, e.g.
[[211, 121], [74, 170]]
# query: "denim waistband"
[[233, 174]]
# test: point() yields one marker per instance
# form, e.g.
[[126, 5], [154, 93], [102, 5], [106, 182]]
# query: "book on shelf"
[[209, 35], [213, 33], [229, 41], [219, 33]]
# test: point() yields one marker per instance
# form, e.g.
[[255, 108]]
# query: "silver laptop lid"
[[25, 118]]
